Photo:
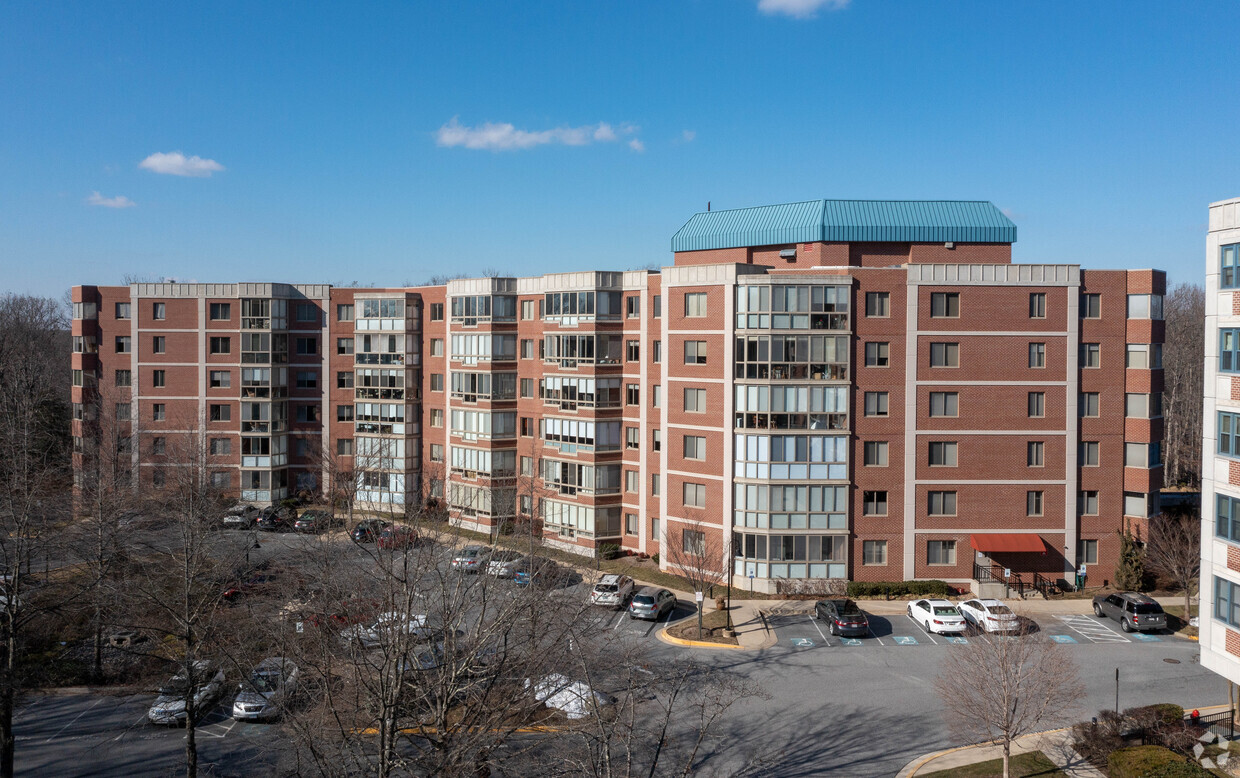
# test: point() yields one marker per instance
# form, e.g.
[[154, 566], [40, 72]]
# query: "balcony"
[[792, 421], [379, 359], [791, 372]]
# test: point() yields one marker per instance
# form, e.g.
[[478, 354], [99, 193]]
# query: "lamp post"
[[252, 543]]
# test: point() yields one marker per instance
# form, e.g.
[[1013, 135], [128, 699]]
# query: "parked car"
[[501, 563], [248, 586], [651, 602], [369, 530], [540, 572], [938, 616], [397, 536], [208, 687], [358, 611], [316, 521], [387, 627], [843, 617], [265, 693], [574, 698], [1134, 611], [470, 559], [276, 518], [989, 615], [241, 517], [612, 591]]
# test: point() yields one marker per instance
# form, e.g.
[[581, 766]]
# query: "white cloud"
[[177, 164], [504, 136], [688, 136], [800, 9], [120, 201], [637, 145]]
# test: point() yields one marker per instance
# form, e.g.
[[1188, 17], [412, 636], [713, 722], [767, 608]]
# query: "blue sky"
[[370, 142]]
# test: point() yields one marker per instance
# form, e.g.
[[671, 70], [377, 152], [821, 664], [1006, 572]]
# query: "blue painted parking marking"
[[956, 639], [905, 641], [802, 642], [1063, 638], [850, 641], [1147, 638]]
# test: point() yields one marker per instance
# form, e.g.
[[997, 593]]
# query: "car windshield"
[[1002, 610], [606, 588], [850, 609], [945, 610], [177, 685], [643, 599], [469, 553], [265, 682], [1147, 607]]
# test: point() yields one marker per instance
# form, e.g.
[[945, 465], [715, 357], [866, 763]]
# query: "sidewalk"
[[1055, 744]]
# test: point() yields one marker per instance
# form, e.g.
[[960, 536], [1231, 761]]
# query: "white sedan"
[[989, 615], [938, 616]]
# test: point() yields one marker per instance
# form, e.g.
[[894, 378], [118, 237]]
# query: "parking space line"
[[1092, 630], [814, 621], [880, 641], [931, 636], [75, 718]]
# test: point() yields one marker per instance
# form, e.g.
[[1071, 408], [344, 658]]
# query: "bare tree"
[[999, 687], [34, 473], [1174, 551], [1183, 360], [697, 553]]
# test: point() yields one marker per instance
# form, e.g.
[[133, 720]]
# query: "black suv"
[[276, 518], [843, 616], [1135, 612], [369, 530]]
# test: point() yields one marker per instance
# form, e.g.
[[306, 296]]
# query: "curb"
[[675, 641], [914, 766]]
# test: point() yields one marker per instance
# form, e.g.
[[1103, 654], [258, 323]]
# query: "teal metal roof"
[[846, 221]]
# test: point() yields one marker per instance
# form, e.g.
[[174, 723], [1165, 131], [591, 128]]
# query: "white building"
[[1220, 482]]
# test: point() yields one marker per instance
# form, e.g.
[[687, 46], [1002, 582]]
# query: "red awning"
[[1009, 542]]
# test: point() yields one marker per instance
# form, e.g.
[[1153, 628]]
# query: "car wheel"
[[1124, 625], [925, 626], [1097, 610], [835, 630]]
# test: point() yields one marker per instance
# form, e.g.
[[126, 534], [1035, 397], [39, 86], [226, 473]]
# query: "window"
[[874, 503], [876, 453], [527, 387], [436, 452], [436, 311], [693, 542], [307, 414], [1143, 406], [694, 495], [158, 446], [1227, 518], [878, 304], [632, 394], [1229, 260], [632, 437], [941, 503], [220, 412], [436, 382], [1037, 405], [527, 311], [307, 312], [656, 351], [944, 355], [1091, 306], [695, 305], [344, 447], [1091, 355], [695, 447], [221, 379], [1137, 504], [344, 413], [942, 453], [632, 306], [1145, 306], [656, 303], [124, 378], [345, 345], [656, 396], [695, 401], [1087, 503], [1089, 453], [221, 311], [656, 440], [122, 310], [158, 412], [655, 485], [944, 404], [876, 355], [1089, 404], [436, 417], [527, 426], [876, 403], [122, 411], [1037, 305], [344, 311], [1227, 601], [158, 343], [1144, 455], [1228, 351], [873, 552], [632, 481], [158, 478], [944, 305], [307, 379], [159, 311], [1037, 355], [1035, 452], [221, 345], [344, 379], [1033, 503], [307, 346], [695, 352], [941, 552], [630, 523], [1147, 355], [436, 347], [527, 349], [220, 446], [123, 345]]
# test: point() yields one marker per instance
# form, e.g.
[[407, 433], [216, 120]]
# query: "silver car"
[[470, 559], [241, 517], [502, 564], [651, 603], [265, 694], [612, 591], [208, 687]]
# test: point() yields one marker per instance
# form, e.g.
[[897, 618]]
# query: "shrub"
[[898, 588], [655, 557], [1148, 716], [1140, 761], [608, 551], [1179, 770]]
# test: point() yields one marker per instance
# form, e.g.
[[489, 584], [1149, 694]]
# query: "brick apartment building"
[[811, 391], [1220, 460]]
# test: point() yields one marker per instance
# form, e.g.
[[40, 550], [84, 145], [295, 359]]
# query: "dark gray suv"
[[1135, 612]]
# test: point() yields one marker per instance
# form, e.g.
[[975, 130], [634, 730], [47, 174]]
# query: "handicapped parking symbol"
[[956, 639], [802, 642], [850, 641], [906, 641], [1144, 637], [1063, 638]]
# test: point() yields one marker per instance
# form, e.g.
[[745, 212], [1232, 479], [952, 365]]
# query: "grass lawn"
[[1027, 765], [1176, 621]]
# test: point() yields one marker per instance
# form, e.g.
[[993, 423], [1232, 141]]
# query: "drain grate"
[[1172, 661]]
